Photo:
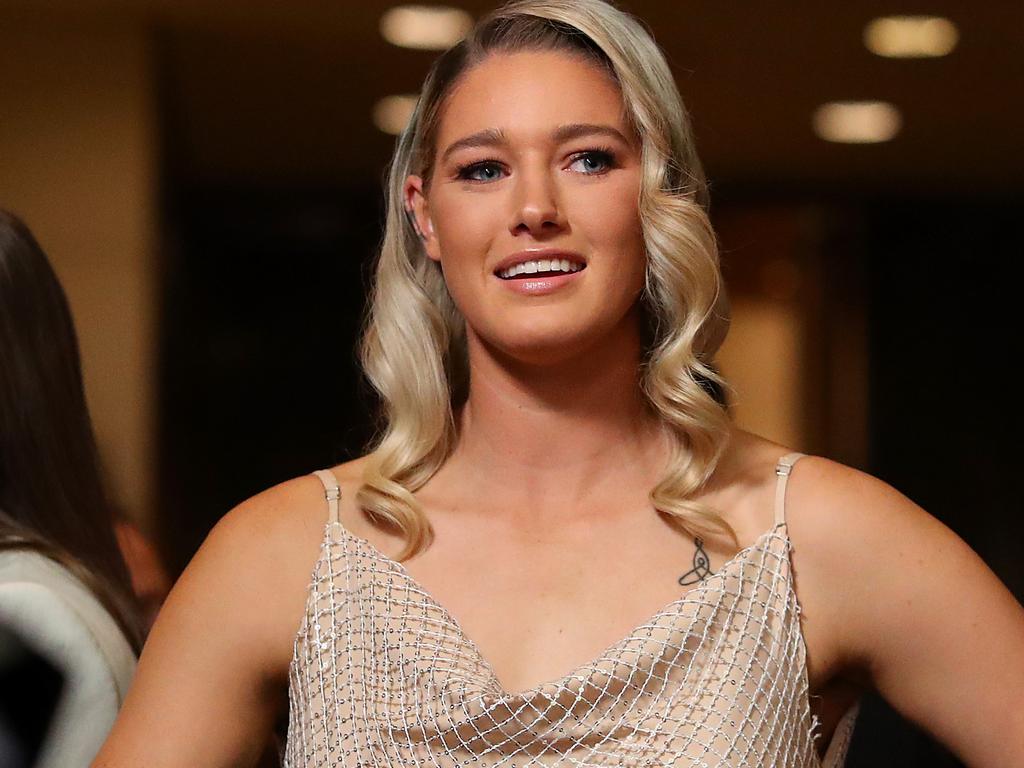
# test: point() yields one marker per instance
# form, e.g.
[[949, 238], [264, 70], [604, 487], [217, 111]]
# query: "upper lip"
[[539, 253]]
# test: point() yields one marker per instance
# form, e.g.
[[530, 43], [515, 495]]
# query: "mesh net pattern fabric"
[[383, 675]]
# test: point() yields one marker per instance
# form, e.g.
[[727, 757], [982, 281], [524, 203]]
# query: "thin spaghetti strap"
[[332, 492], [782, 470]]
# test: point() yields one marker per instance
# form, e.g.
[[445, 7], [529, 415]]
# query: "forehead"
[[530, 92]]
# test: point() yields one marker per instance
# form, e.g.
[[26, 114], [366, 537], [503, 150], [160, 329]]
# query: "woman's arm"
[[213, 674], [915, 608]]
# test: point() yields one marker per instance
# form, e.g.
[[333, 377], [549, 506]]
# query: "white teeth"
[[541, 265]]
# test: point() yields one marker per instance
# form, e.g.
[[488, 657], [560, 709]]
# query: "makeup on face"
[[540, 271], [533, 202]]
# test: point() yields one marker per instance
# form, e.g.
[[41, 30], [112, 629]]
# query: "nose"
[[537, 209]]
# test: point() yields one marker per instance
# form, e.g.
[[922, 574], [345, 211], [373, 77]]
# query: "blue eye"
[[484, 171], [594, 161]]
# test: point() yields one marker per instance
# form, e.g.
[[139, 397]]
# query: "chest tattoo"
[[701, 565]]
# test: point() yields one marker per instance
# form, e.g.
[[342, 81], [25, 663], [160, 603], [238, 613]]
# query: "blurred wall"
[[762, 360], [78, 163], [796, 354]]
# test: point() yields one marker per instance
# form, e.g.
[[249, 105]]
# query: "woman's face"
[[536, 171]]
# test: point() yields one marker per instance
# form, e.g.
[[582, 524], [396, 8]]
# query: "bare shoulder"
[[846, 523], [858, 543], [830, 507], [224, 639], [273, 519], [261, 552], [285, 525], [286, 521], [832, 502], [890, 594]]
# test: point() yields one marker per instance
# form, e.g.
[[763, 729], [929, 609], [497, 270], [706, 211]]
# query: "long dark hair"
[[52, 498]]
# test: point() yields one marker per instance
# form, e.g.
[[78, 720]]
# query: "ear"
[[418, 207]]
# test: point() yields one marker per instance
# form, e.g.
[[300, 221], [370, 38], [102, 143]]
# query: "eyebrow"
[[492, 137]]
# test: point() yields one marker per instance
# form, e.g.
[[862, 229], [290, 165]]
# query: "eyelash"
[[605, 154]]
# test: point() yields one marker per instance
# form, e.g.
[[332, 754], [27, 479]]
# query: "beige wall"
[[796, 353], [77, 162], [763, 361]]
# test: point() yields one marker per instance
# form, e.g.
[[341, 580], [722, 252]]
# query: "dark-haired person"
[[559, 551], [64, 587]]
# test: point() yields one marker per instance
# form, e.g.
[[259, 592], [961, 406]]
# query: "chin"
[[551, 335], [540, 349]]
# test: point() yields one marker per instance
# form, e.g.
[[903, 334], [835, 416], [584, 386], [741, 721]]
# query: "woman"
[[64, 587], [559, 549]]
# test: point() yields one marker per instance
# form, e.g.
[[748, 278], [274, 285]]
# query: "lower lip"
[[540, 286]]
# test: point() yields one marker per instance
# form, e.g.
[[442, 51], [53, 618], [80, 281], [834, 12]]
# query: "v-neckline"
[[499, 690]]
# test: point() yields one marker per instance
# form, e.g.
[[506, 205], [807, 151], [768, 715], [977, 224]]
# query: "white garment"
[[57, 616]]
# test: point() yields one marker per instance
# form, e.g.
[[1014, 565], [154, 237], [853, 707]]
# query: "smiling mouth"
[[540, 268]]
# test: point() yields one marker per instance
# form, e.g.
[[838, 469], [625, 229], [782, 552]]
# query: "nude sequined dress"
[[383, 675]]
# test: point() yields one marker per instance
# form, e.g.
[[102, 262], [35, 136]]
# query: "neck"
[[550, 439]]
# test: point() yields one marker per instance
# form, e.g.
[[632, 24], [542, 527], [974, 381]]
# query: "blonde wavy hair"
[[413, 347]]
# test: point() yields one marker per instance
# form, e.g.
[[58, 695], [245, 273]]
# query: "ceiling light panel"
[[391, 114], [911, 37], [425, 27], [857, 122]]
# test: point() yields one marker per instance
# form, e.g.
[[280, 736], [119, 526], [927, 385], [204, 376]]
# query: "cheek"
[[465, 234], [611, 222], [464, 231]]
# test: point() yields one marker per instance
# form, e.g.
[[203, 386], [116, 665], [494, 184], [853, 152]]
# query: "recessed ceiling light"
[[426, 27], [911, 37], [391, 114], [857, 122]]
